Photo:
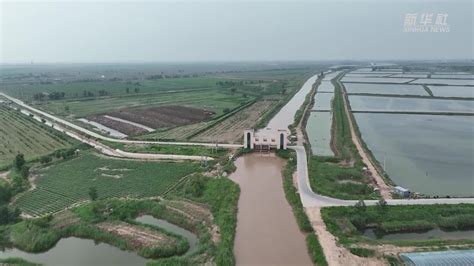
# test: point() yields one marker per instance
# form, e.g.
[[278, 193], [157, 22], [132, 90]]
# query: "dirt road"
[[380, 182], [335, 254]]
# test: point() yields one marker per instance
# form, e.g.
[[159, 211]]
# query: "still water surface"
[[75, 251], [267, 233]]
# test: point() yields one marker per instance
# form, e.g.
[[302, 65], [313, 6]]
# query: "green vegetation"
[[169, 149], [328, 177], [222, 195], [17, 261], [111, 178], [362, 252], [211, 99], [314, 247], [95, 88], [22, 134], [347, 222]]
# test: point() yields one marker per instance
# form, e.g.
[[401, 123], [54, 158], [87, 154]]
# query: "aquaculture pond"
[[452, 91], [376, 80], [318, 129], [331, 75], [190, 237], [444, 81], [325, 86], [403, 104], [396, 89], [452, 76], [322, 101], [431, 234], [367, 75], [431, 154], [74, 251]]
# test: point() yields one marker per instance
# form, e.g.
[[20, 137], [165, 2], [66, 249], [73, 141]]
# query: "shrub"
[[315, 250], [362, 252], [406, 226], [457, 222]]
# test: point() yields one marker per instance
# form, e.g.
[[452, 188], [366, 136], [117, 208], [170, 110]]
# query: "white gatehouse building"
[[265, 139]]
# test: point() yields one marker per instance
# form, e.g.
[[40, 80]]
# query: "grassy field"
[[75, 89], [68, 182], [21, 134]]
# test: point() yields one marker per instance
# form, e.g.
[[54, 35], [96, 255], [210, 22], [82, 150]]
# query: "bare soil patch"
[[163, 116], [125, 128], [137, 236]]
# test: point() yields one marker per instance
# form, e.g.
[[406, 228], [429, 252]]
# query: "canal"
[[267, 232]]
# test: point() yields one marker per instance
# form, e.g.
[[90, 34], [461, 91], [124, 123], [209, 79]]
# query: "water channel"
[[267, 232]]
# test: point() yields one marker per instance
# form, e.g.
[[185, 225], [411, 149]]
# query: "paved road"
[[98, 136], [311, 199]]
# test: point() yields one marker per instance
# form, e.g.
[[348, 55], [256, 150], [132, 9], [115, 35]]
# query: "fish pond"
[[430, 154], [396, 89], [403, 104], [322, 101], [318, 128], [453, 91]]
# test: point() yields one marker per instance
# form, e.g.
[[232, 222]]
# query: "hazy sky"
[[94, 31]]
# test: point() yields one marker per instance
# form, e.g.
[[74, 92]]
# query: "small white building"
[[402, 192], [266, 139]]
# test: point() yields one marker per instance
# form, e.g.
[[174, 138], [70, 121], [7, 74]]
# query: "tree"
[[283, 91], [360, 206], [45, 159], [226, 110], [93, 193], [25, 171], [232, 90], [66, 108], [19, 160], [127, 90], [382, 204]]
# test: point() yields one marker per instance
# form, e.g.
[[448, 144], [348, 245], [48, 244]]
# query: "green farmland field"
[[213, 100], [68, 182], [113, 88], [21, 134]]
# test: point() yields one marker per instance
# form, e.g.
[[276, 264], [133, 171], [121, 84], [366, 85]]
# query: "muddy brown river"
[[267, 233]]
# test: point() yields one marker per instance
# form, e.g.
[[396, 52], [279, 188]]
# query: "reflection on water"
[[74, 251], [267, 232], [190, 237], [431, 234]]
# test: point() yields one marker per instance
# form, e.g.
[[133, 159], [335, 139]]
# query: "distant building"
[[266, 139], [402, 192]]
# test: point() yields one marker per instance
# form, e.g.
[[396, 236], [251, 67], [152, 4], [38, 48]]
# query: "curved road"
[[311, 199]]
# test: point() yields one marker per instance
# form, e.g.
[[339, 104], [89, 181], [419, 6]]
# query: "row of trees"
[[56, 95]]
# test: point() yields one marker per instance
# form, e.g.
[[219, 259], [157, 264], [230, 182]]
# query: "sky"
[[193, 31]]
